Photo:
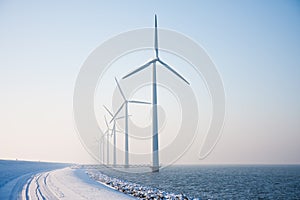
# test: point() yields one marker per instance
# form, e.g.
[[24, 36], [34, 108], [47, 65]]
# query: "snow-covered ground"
[[67, 183], [14, 174], [136, 190], [40, 180]]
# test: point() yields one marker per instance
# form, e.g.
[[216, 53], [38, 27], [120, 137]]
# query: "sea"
[[222, 181]]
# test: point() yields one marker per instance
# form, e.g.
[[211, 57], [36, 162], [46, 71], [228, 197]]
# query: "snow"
[[133, 189], [14, 174], [68, 183], [12, 189]]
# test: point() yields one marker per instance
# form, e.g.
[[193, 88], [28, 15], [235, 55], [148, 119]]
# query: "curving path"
[[67, 183]]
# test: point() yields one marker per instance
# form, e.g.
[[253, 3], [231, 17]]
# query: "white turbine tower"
[[155, 162], [100, 144], [106, 133], [125, 103], [114, 131]]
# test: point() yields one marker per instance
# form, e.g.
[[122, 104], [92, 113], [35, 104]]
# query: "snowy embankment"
[[67, 183], [14, 175], [133, 189], [36, 180]]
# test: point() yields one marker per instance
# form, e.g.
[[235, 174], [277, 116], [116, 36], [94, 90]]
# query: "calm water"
[[222, 182]]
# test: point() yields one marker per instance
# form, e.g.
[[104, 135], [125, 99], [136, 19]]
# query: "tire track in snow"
[[46, 189], [66, 184], [38, 192], [27, 188], [38, 189]]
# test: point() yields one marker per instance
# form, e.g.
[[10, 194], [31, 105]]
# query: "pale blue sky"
[[255, 45]]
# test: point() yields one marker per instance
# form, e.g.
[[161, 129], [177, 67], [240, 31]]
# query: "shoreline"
[[133, 189]]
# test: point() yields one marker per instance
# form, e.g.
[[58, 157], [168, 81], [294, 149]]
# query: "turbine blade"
[[106, 122], [108, 111], [156, 38], [140, 68], [106, 132], [140, 102], [121, 91], [114, 117], [172, 70], [118, 131], [120, 117]]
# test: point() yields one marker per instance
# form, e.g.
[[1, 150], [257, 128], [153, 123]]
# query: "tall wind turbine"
[[125, 103], [114, 131], [155, 161]]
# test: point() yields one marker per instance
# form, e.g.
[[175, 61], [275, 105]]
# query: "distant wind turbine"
[[114, 131], [125, 103], [100, 144], [106, 133], [155, 163]]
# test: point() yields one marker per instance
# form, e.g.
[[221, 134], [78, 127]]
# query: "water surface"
[[222, 182]]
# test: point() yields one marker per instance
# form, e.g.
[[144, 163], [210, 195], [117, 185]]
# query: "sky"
[[254, 44]]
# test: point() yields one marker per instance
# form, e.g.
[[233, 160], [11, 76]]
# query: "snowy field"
[[34, 180], [67, 183], [14, 175]]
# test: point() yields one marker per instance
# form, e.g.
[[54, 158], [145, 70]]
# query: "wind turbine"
[[101, 149], [106, 133], [155, 163], [114, 132], [125, 103]]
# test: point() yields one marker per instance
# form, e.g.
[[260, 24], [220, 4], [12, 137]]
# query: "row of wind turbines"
[[115, 116]]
